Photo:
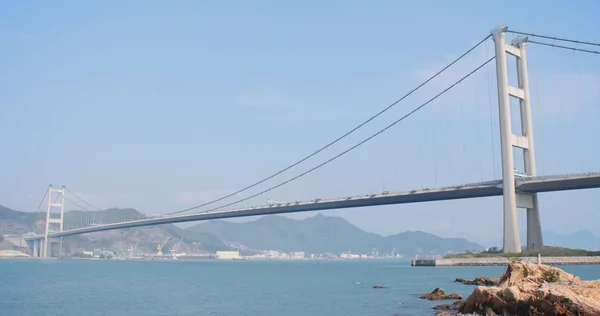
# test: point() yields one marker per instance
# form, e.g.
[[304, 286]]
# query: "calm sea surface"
[[153, 288]]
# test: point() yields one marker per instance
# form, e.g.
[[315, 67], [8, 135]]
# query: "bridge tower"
[[54, 220], [508, 140]]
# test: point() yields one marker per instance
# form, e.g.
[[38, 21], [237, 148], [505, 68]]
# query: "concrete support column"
[[534, 226], [511, 240], [35, 250]]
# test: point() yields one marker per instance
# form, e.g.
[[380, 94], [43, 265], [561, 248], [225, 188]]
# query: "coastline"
[[168, 258], [529, 289], [503, 261]]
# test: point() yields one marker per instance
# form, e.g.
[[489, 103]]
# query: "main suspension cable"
[[42, 201], [359, 144], [80, 199], [565, 47], [338, 139], [554, 38]]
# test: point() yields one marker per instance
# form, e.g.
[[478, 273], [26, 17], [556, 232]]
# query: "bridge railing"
[[387, 193], [560, 176], [353, 197], [383, 194]]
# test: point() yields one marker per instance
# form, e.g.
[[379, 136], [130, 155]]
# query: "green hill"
[[15, 222], [546, 251], [417, 242], [322, 234]]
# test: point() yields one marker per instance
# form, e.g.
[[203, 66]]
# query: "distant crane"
[[159, 247], [174, 249], [132, 248]]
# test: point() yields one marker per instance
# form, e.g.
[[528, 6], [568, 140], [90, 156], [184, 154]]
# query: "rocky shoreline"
[[503, 261], [479, 281], [524, 289]]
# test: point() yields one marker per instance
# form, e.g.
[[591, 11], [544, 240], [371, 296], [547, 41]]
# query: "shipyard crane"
[[174, 249], [159, 247], [132, 248]]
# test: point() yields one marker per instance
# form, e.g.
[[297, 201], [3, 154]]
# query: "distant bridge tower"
[[513, 199], [54, 220]]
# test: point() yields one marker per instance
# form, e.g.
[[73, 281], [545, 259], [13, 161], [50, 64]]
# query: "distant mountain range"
[[318, 234], [322, 234], [579, 240], [145, 239]]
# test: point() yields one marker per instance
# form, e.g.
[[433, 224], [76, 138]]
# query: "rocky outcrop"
[[439, 294], [479, 281], [449, 307], [535, 289]]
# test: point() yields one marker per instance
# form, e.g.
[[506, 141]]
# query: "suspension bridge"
[[519, 189]]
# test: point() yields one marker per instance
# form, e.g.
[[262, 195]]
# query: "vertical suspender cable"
[[558, 90], [421, 159], [407, 154], [540, 153], [578, 105], [489, 82], [477, 126], [447, 132], [465, 164], [434, 152], [382, 166]]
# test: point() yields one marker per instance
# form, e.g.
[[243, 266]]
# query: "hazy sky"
[[162, 106]]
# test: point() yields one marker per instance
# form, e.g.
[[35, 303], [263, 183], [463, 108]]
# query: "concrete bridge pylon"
[[54, 220], [523, 140]]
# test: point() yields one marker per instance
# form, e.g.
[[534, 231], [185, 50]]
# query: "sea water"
[[178, 287]]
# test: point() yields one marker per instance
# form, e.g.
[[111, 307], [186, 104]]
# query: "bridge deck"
[[483, 189]]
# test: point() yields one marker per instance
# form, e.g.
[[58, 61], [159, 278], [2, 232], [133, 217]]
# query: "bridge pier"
[[524, 140], [35, 246], [534, 228]]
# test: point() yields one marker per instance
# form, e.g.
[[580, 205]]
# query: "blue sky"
[[161, 107]]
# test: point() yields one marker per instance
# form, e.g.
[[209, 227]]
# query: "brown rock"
[[479, 281], [439, 294], [449, 307], [443, 314], [532, 289]]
